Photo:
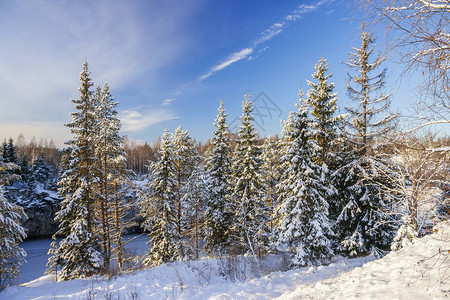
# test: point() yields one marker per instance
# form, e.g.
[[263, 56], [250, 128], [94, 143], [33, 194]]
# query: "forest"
[[353, 184]]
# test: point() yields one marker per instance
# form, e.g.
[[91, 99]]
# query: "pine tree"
[[364, 226], [250, 228], [112, 173], [302, 214], [158, 208], [218, 207], [195, 194], [11, 233], [79, 253]]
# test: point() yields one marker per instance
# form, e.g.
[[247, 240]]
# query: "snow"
[[418, 271]]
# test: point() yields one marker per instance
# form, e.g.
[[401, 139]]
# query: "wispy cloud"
[[234, 57], [138, 119], [167, 101], [268, 34], [255, 56]]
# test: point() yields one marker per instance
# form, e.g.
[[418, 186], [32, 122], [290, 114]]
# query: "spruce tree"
[[322, 101], [364, 225], [11, 233], [10, 155], [41, 170], [271, 173], [4, 151], [195, 194], [325, 125], [250, 228], [302, 213], [218, 207], [185, 158], [79, 253], [158, 208]]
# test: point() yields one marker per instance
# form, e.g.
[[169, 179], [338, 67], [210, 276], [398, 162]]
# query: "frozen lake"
[[37, 256]]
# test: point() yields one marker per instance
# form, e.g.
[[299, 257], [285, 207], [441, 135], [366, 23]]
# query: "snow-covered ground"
[[418, 271], [37, 257]]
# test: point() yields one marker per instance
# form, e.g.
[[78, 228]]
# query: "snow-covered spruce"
[[11, 233], [250, 227], [78, 254], [324, 124], [159, 209], [195, 195], [9, 152], [218, 208], [303, 227], [271, 171], [185, 158]]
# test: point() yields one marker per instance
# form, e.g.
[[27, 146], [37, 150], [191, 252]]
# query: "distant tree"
[[302, 220], [158, 208], [9, 154], [250, 228], [4, 151], [11, 232], [25, 170], [41, 170], [138, 156], [218, 215]]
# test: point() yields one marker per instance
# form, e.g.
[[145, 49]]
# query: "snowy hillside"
[[418, 271]]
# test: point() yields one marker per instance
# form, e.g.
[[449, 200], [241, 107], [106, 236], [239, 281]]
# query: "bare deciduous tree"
[[418, 35]]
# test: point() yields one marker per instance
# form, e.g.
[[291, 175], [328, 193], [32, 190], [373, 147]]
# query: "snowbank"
[[419, 271]]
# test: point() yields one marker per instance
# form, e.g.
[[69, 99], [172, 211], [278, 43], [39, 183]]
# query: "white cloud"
[[135, 120], [44, 44], [266, 35]]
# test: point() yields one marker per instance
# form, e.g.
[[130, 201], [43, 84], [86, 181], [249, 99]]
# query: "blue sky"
[[168, 63]]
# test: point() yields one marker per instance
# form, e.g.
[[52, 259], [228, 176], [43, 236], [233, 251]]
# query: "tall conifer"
[[302, 220], [79, 252], [250, 227], [218, 207]]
